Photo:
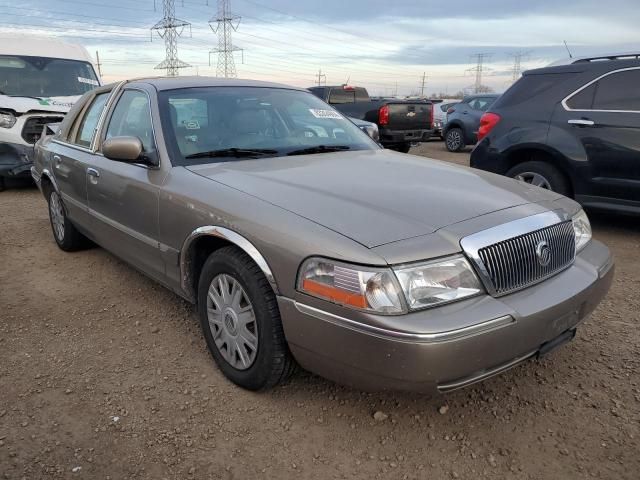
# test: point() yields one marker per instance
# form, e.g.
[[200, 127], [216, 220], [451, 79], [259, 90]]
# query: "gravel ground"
[[104, 374]]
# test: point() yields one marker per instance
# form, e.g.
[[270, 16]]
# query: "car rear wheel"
[[541, 174], [2, 184], [454, 140], [65, 233], [241, 322]]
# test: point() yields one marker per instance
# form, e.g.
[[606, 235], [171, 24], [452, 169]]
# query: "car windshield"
[[26, 76], [214, 124]]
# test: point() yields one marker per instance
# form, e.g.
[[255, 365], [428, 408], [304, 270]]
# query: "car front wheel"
[[454, 140], [241, 322]]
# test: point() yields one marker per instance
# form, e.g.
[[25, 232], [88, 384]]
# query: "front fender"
[[187, 254]]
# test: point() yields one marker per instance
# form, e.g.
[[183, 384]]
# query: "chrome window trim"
[[473, 243], [434, 337], [587, 85], [186, 275]]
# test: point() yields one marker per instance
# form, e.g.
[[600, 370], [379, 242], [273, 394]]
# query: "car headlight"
[[7, 119], [582, 230], [363, 288], [439, 281]]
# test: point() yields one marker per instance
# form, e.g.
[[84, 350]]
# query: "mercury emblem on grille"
[[543, 252]]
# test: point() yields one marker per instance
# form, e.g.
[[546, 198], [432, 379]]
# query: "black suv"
[[572, 128], [463, 120]]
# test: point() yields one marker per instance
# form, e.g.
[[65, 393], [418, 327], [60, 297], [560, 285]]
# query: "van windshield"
[[27, 76]]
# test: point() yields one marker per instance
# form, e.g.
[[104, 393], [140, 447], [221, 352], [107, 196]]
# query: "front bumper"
[[485, 335], [15, 160]]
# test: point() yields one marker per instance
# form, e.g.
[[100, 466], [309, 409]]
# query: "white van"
[[40, 79]]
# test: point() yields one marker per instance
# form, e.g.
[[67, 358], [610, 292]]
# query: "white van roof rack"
[[596, 58]]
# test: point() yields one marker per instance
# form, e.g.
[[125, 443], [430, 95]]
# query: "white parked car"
[[40, 79], [440, 115]]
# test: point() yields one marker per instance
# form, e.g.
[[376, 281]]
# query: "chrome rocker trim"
[[436, 337]]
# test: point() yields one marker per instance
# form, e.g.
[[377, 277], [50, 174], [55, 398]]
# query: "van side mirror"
[[123, 149]]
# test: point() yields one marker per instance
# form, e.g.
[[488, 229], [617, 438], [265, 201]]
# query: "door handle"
[[93, 175], [581, 122], [57, 161]]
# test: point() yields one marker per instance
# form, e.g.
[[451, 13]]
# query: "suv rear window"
[[340, 95], [529, 86]]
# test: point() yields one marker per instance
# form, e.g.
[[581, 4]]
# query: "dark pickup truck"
[[400, 122]]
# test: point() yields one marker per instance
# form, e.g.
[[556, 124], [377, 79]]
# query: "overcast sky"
[[381, 44]]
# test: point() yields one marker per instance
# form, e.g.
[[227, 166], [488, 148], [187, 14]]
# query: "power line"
[[322, 78], [516, 70], [170, 28], [424, 80], [225, 23], [478, 70]]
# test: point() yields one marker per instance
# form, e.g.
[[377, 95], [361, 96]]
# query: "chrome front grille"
[[526, 259]]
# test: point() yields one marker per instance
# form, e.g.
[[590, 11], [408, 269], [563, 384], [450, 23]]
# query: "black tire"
[[2, 184], [553, 178], [404, 148], [454, 140], [68, 237], [273, 363]]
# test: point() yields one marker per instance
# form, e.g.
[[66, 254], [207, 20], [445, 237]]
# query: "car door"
[[70, 156], [604, 117], [123, 197]]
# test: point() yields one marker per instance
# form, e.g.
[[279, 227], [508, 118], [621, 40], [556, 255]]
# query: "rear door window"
[[618, 91], [89, 123], [481, 104], [583, 100]]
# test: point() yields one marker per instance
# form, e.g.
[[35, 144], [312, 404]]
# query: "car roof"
[[172, 83], [39, 46], [580, 66]]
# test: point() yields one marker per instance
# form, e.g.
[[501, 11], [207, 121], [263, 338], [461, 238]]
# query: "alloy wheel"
[[454, 140], [232, 321], [57, 215], [535, 179]]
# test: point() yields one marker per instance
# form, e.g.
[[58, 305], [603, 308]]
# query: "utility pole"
[[517, 68], [98, 64], [478, 70], [322, 78], [169, 29], [424, 80], [223, 25]]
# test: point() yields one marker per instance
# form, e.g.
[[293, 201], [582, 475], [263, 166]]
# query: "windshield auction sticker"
[[90, 81], [325, 113]]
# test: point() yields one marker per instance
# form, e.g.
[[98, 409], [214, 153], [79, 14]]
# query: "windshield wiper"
[[320, 149], [233, 152], [25, 96]]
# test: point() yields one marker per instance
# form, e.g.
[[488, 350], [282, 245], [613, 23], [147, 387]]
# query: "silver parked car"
[[302, 241]]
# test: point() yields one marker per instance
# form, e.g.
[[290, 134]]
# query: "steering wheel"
[[307, 132]]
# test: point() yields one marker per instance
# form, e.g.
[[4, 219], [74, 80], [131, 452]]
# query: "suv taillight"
[[450, 110], [383, 115], [487, 122]]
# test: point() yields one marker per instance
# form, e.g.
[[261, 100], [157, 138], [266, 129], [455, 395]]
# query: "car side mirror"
[[123, 149]]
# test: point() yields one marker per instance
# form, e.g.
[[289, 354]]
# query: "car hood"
[[41, 104], [374, 197]]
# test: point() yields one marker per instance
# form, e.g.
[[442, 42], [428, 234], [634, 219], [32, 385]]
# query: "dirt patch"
[[105, 374]]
